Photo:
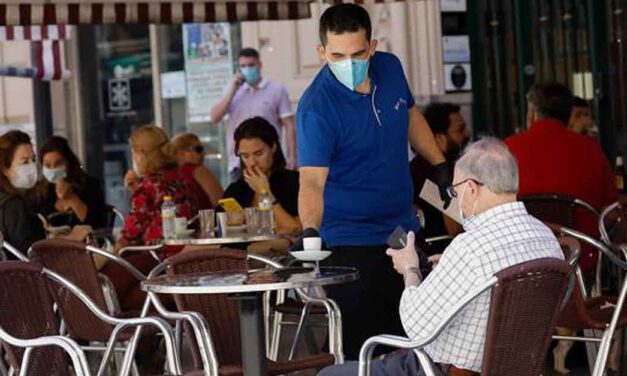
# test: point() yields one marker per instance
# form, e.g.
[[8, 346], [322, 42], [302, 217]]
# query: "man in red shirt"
[[553, 159]]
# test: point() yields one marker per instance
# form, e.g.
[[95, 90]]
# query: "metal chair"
[[557, 208], [74, 261], [222, 313], [524, 304], [28, 293], [28, 322], [602, 313], [304, 306]]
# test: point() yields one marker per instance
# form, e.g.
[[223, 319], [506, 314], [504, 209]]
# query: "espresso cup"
[[312, 244]]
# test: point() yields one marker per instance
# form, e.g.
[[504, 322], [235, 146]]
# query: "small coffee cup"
[[312, 244]]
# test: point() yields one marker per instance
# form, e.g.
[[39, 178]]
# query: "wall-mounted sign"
[[208, 67], [173, 85], [453, 5], [456, 48], [457, 77], [119, 94]]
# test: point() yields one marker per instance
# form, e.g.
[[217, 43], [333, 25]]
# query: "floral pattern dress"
[[143, 224]]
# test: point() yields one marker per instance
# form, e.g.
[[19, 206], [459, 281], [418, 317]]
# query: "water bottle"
[[168, 218], [266, 216]]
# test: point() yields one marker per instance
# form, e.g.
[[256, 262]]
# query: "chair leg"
[[299, 329], [592, 348], [276, 335]]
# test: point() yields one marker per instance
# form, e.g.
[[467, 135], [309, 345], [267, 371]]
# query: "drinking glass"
[[207, 223], [252, 221]]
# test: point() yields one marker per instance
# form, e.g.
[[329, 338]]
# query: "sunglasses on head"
[[451, 189], [199, 149]]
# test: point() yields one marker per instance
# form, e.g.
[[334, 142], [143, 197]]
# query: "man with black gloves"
[[353, 125]]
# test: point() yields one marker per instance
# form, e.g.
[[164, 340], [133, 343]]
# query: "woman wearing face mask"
[[203, 186], [67, 189], [263, 163], [19, 223]]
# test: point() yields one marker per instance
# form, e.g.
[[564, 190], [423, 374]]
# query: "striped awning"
[[75, 12], [133, 12]]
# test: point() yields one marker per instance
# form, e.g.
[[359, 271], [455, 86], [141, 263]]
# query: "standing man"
[[354, 123], [250, 95]]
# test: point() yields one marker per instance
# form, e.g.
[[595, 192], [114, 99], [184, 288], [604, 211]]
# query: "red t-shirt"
[[552, 159]]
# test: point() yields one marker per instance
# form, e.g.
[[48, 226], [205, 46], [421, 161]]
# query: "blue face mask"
[[350, 72], [54, 175], [251, 74]]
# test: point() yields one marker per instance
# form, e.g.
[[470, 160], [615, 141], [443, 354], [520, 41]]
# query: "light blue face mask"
[[350, 72], [251, 74], [54, 175]]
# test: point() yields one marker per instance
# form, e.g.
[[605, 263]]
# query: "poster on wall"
[[453, 5], [208, 67]]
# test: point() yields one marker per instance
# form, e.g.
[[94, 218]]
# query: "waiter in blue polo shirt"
[[353, 125]]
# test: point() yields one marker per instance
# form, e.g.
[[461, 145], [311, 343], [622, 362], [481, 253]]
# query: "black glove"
[[443, 177], [309, 232]]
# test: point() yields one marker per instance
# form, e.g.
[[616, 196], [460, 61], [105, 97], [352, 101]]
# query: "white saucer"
[[186, 233], [311, 255]]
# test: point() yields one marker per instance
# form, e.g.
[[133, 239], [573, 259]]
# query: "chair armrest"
[[367, 349], [77, 356], [118, 260]]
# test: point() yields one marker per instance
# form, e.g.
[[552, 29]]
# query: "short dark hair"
[[437, 116], [344, 18], [249, 52], [260, 128], [580, 102], [551, 100]]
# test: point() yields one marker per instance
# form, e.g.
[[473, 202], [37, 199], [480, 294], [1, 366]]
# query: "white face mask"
[[25, 176], [461, 212]]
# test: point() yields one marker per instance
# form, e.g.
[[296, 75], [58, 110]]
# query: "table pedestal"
[[252, 334]]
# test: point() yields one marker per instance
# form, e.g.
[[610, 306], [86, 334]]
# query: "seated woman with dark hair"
[[19, 223], [67, 190], [263, 165]]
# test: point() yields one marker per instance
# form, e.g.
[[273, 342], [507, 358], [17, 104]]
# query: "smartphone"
[[398, 238], [230, 205]]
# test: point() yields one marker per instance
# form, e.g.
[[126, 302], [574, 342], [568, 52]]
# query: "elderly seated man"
[[499, 233]]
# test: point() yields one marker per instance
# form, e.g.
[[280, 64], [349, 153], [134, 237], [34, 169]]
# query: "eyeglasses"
[[199, 149], [451, 189]]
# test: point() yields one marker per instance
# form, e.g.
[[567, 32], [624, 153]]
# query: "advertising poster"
[[208, 67]]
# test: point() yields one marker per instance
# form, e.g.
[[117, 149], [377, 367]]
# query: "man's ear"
[[373, 46], [320, 50]]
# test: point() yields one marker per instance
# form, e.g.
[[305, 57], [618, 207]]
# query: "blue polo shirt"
[[362, 139]]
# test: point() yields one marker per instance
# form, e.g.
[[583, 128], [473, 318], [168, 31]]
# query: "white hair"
[[491, 163]]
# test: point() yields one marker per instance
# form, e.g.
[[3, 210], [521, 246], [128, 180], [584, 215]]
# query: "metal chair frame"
[[79, 362], [111, 300], [605, 340]]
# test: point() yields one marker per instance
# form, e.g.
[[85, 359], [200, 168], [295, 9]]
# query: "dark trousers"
[[402, 363], [370, 305]]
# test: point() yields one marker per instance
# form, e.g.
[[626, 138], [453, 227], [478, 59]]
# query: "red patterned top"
[[143, 223]]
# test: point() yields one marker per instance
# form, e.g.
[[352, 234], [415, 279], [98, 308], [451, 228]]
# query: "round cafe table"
[[233, 239], [248, 289]]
